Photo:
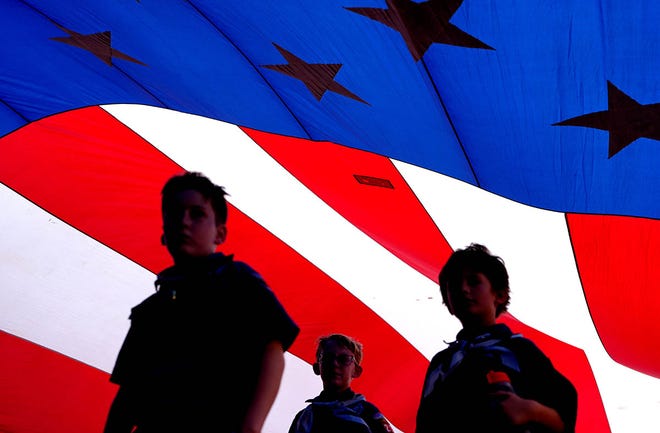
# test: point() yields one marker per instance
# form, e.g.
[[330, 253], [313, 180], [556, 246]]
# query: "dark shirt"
[[455, 397], [344, 412], [192, 355]]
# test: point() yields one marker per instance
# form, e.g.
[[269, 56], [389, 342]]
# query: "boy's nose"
[[460, 288], [186, 219]]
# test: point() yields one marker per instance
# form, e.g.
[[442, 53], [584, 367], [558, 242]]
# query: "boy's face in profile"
[[337, 367], [189, 226], [473, 300]]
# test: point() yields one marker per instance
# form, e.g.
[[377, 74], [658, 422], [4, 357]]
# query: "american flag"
[[360, 142]]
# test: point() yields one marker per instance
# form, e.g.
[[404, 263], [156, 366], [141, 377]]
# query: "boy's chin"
[[461, 313]]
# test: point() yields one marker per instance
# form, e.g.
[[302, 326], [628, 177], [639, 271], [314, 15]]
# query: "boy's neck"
[[477, 324], [474, 332], [191, 261], [335, 393]]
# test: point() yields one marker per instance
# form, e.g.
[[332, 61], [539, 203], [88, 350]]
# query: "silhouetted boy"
[[205, 353], [457, 396]]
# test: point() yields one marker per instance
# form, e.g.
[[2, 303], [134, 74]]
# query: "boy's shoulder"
[[371, 410], [243, 268]]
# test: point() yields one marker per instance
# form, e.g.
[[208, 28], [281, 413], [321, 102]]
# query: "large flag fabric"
[[361, 142]]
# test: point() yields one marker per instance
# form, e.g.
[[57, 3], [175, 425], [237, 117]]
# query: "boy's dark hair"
[[192, 180], [343, 340], [475, 258]]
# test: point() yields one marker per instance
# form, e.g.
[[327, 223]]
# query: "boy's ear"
[[316, 368], [501, 298], [221, 234], [357, 371]]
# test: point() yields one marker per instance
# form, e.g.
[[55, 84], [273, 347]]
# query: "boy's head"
[[470, 268], [338, 359], [194, 212]]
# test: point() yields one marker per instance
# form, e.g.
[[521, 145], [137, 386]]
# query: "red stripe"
[[618, 260], [91, 171], [45, 392], [393, 217]]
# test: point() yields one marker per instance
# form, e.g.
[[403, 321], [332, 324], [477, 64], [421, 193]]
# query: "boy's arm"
[[521, 411], [554, 400], [120, 419], [268, 385]]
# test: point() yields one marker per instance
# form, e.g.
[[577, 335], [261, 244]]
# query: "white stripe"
[[60, 288], [545, 287]]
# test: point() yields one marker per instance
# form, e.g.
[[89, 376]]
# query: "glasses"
[[343, 359]]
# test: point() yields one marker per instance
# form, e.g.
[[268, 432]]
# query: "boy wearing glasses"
[[205, 352], [338, 408]]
